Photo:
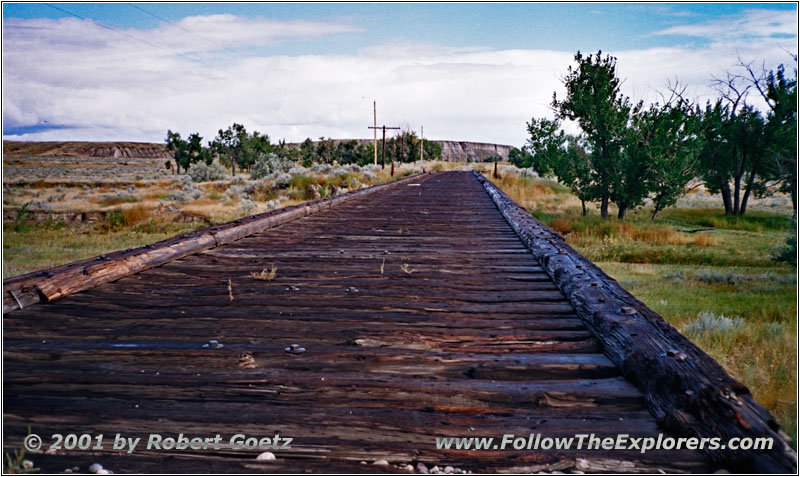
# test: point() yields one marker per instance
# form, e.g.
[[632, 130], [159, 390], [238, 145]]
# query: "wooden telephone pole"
[[375, 132], [421, 143], [383, 145]]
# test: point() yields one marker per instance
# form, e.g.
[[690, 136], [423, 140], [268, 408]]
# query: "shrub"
[[201, 172], [676, 277], [114, 219], [788, 253], [283, 180], [236, 192], [267, 164], [708, 323], [719, 277], [247, 206]]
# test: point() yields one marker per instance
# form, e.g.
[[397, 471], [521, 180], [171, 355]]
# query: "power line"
[[186, 30], [138, 39]]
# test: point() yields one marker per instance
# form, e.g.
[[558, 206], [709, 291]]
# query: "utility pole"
[[383, 145], [375, 132], [421, 143], [495, 161]]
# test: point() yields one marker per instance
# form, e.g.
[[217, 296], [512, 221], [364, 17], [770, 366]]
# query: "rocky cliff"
[[127, 150], [465, 151]]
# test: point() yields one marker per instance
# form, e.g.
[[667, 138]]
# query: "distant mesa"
[[119, 150]]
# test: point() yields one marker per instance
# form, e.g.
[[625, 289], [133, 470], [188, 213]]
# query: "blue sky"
[[498, 64]]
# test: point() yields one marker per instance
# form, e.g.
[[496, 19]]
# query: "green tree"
[[549, 151], [432, 150], [187, 151], [229, 145], [308, 152], [780, 94], [255, 146], [715, 161], [594, 100], [673, 146], [520, 157], [326, 151], [178, 147], [575, 170], [545, 145]]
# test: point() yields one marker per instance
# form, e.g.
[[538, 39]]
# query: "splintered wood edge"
[[687, 391], [54, 283]]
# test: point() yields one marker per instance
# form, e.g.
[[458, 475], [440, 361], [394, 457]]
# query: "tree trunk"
[[726, 197], [604, 207], [655, 211], [748, 189], [583, 206], [737, 183], [621, 213]]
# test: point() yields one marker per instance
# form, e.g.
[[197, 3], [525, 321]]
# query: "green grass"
[[37, 247], [762, 353], [725, 272]]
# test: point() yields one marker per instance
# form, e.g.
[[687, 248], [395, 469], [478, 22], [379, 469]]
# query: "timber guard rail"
[[686, 390]]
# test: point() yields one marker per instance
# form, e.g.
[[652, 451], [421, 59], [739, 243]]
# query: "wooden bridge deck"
[[422, 315]]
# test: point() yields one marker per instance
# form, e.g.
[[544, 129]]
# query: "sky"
[[463, 71]]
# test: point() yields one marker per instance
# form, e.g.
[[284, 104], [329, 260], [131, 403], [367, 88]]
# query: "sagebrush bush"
[[708, 323], [201, 172], [268, 164], [188, 191]]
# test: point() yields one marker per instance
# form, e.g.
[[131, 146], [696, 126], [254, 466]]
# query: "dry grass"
[[705, 240], [536, 193], [265, 275], [135, 214]]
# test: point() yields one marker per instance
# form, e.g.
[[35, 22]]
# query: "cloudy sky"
[[122, 71]]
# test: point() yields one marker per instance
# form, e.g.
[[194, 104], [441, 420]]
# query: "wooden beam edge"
[[54, 283], [687, 391]]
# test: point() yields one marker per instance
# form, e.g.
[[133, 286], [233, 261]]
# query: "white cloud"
[[106, 86], [748, 24]]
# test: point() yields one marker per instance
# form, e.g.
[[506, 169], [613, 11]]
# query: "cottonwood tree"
[[549, 151], [662, 151], [594, 100], [236, 147], [229, 145], [780, 94], [187, 151]]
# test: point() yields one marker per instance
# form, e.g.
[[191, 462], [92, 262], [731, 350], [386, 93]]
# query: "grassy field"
[[719, 287]]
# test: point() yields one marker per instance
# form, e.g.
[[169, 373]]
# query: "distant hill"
[[86, 149], [453, 151]]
